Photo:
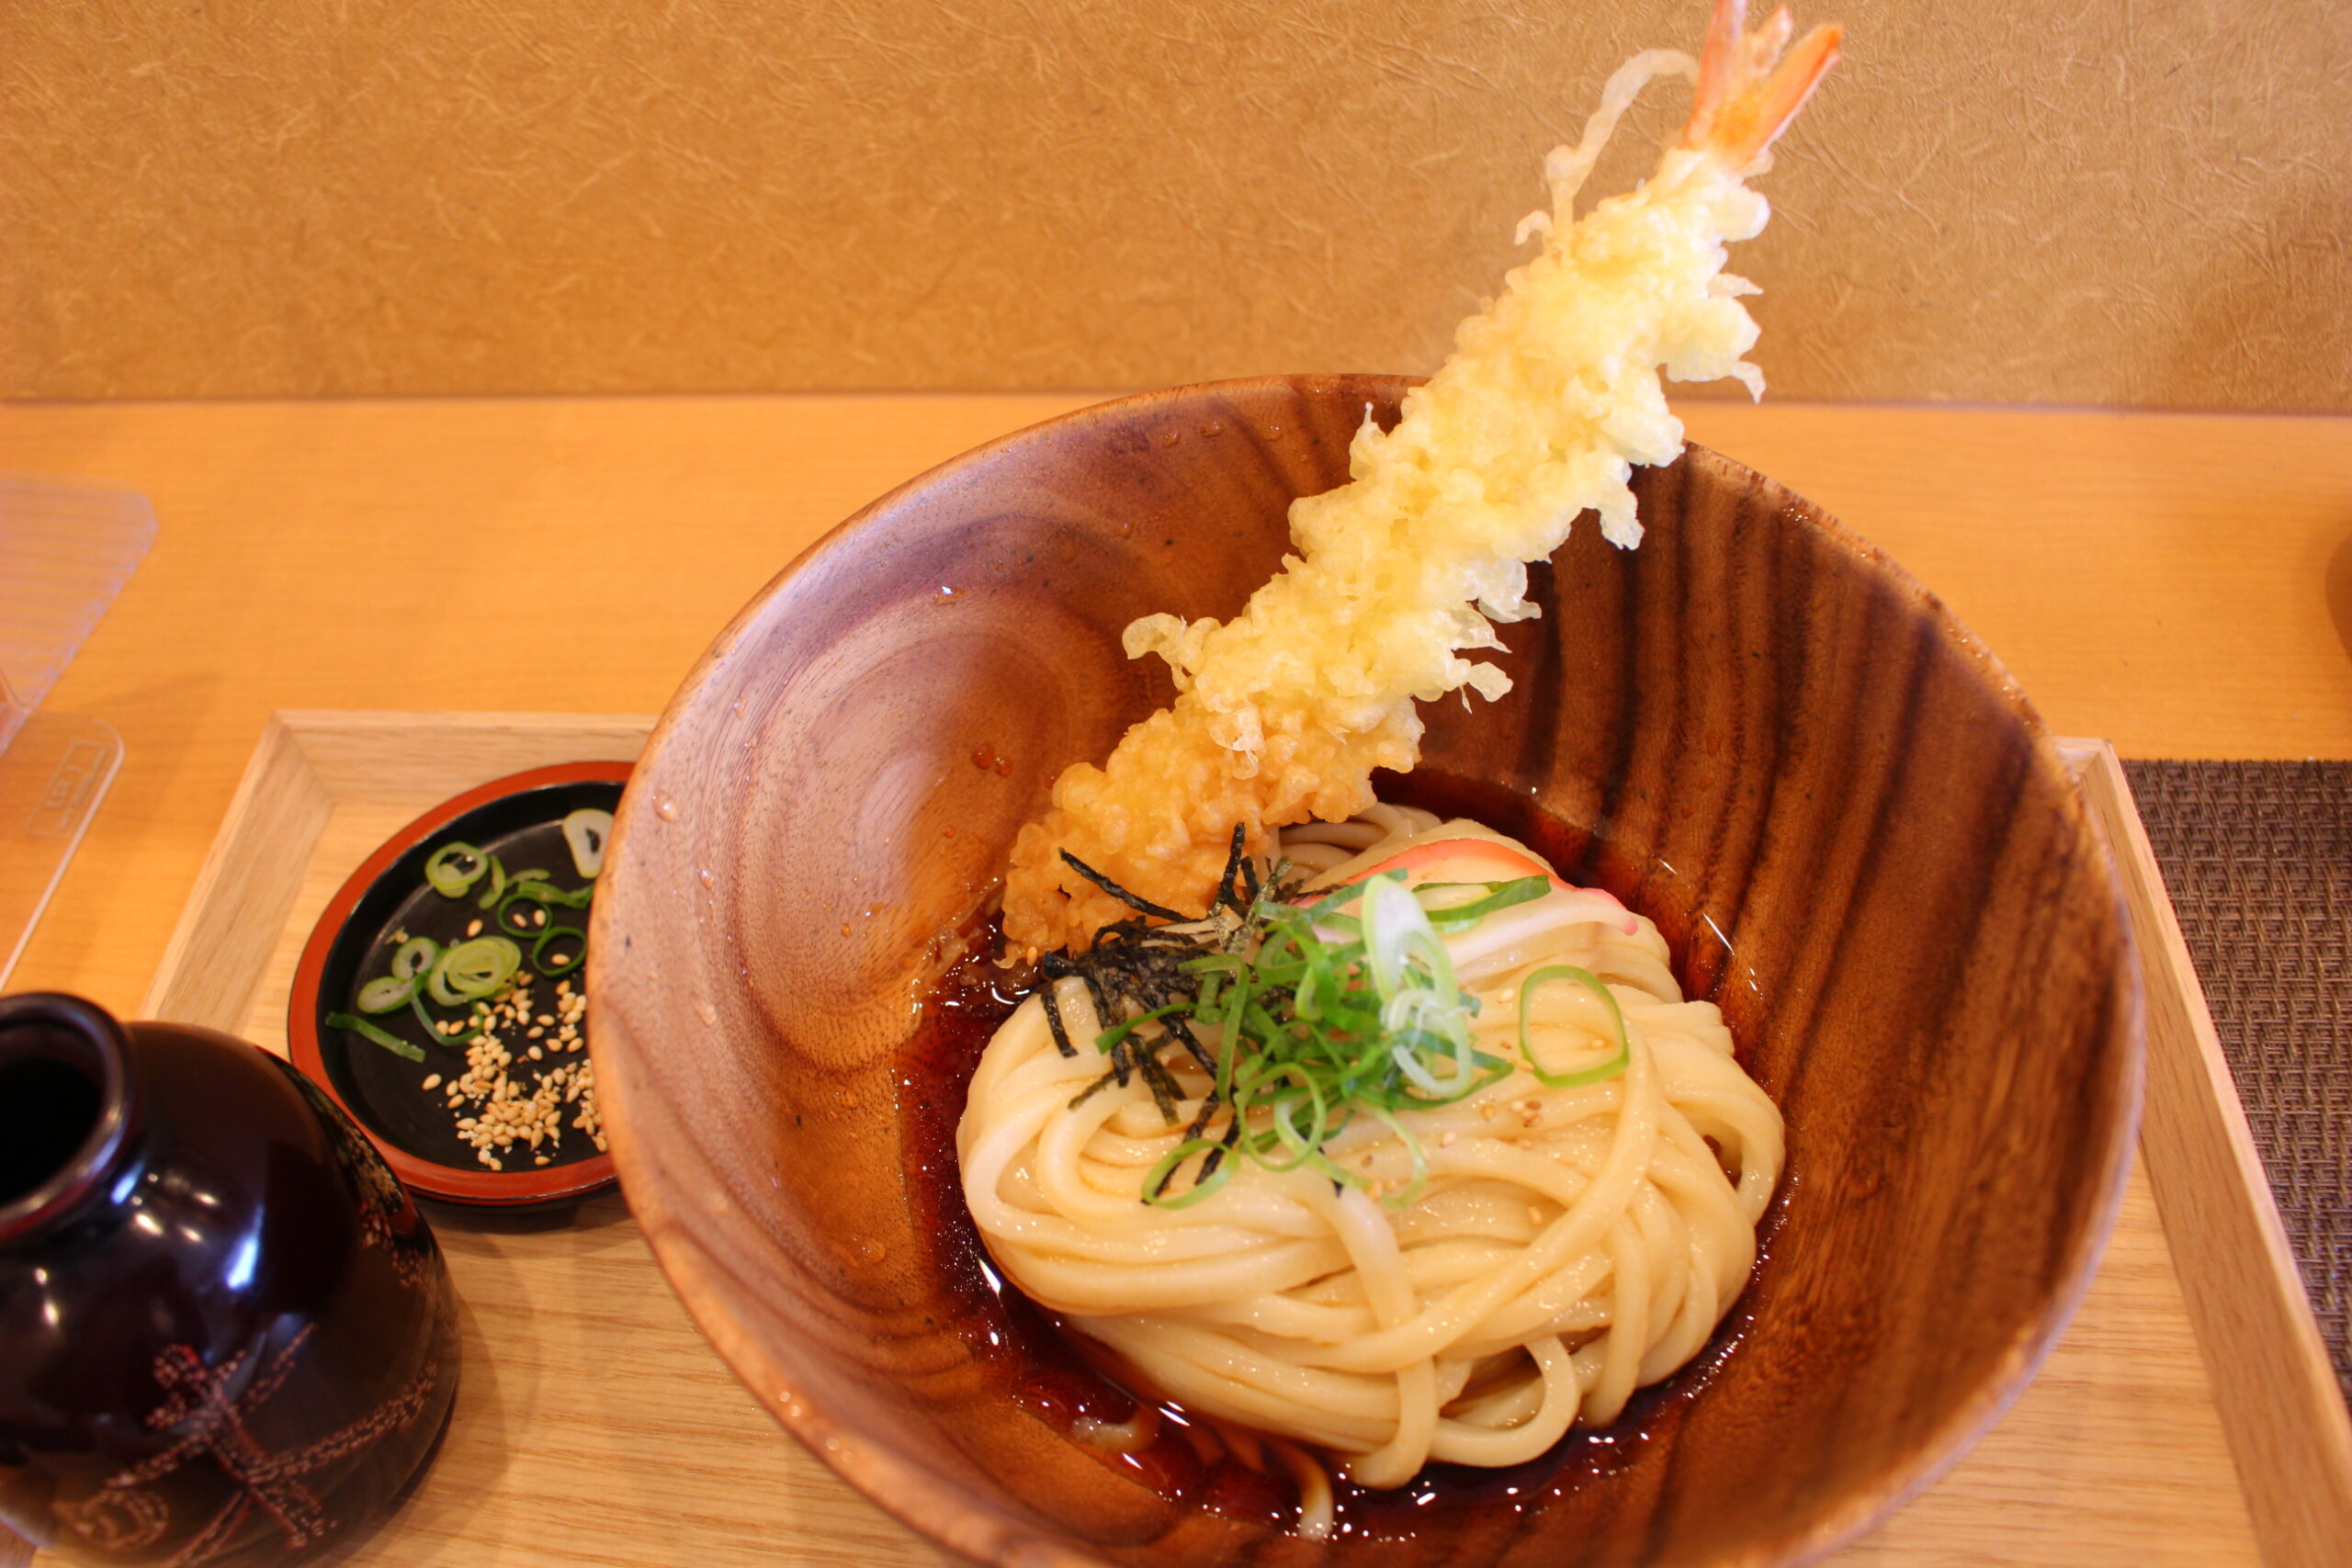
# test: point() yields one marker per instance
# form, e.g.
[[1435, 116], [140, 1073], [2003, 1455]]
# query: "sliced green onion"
[[497, 884], [366, 1031], [515, 896], [584, 832], [1592, 983], [471, 970], [453, 868], [386, 992], [1499, 896], [1106, 1040], [540, 959], [1155, 1179], [415, 959], [1309, 1015]]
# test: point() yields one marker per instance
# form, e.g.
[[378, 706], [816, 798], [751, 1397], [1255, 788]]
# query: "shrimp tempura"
[[1550, 396]]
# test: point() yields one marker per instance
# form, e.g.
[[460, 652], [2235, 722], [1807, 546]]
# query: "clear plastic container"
[[66, 551]]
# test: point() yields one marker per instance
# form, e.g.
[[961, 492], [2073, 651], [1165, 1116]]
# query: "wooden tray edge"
[[2286, 1427], [304, 762], [2280, 1409], [247, 885]]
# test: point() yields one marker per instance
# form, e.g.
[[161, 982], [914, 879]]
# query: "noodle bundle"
[[1490, 1271]]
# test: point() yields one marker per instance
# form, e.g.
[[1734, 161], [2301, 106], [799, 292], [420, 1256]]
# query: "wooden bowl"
[[518, 818], [1756, 729]]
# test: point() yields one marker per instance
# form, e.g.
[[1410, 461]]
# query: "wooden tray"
[[594, 1426]]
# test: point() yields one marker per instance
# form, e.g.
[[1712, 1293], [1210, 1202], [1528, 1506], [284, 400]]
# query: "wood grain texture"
[[2174, 582], [248, 883], [2285, 1417], [2113, 1458], [2086, 202], [1755, 729]]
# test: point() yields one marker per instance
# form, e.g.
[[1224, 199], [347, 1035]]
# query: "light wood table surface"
[[2180, 584], [2162, 581]]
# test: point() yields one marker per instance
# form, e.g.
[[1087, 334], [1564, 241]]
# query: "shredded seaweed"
[[1131, 900]]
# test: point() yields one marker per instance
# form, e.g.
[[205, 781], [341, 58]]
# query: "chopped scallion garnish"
[[469, 971], [552, 963], [366, 1031], [453, 868], [1318, 1015], [386, 992], [1591, 982], [472, 977], [584, 832]]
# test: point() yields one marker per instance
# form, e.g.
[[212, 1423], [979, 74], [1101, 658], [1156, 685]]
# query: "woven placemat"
[[2257, 858]]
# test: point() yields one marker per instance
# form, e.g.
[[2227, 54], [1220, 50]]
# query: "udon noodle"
[[1564, 1246]]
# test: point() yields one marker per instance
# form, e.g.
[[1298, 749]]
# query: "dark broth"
[[1049, 1376]]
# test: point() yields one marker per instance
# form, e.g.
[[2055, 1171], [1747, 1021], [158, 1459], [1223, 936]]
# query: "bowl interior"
[[1754, 728], [518, 819]]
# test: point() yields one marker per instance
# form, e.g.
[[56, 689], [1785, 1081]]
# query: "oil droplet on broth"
[[702, 875]]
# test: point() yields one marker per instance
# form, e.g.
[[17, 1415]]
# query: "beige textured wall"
[[2090, 202]]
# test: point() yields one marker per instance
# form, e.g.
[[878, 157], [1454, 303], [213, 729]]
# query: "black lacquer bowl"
[[226, 1334]]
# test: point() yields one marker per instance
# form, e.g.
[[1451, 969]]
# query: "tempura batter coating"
[[1550, 397]]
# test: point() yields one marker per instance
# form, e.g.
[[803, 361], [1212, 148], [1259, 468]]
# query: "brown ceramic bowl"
[[1756, 729]]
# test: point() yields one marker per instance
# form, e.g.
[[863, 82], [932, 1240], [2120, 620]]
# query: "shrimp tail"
[[1748, 91]]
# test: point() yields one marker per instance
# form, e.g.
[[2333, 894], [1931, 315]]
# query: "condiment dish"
[[385, 901]]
